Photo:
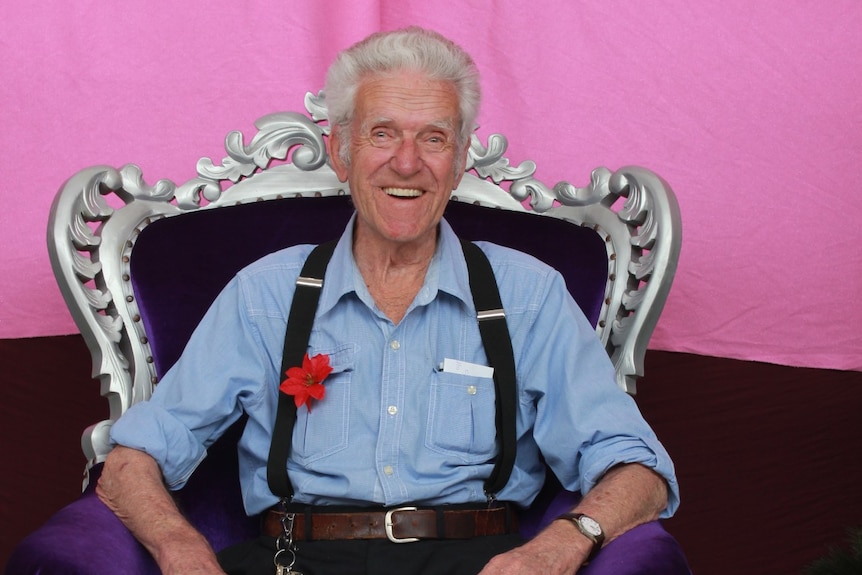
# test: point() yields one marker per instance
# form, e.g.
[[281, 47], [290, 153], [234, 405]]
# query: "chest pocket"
[[461, 417], [323, 431]]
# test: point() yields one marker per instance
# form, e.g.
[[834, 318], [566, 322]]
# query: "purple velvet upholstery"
[[83, 538], [201, 251]]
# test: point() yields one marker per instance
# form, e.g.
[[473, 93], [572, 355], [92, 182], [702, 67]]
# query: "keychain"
[[285, 549]]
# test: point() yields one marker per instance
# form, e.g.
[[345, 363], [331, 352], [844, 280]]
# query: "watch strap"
[[598, 539]]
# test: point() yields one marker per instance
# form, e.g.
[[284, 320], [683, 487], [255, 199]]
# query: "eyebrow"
[[445, 124]]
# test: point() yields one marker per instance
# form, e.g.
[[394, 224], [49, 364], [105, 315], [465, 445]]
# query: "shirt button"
[[388, 470], [471, 389], [395, 344], [392, 410]]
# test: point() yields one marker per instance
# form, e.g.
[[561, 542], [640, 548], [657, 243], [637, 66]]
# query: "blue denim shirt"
[[394, 426]]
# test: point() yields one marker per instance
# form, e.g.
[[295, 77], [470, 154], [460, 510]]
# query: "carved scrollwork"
[[277, 133], [316, 106], [489, 162], [570, 195], [134, 188], [78, 214], [652, 221]]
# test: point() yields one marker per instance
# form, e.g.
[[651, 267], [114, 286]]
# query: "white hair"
[[414, 49]]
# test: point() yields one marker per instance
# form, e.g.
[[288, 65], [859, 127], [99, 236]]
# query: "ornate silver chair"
[[139, 264]]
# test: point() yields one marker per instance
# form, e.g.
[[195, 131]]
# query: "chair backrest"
[[138, 264]]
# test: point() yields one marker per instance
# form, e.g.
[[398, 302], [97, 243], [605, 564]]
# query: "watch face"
[[590, 525]]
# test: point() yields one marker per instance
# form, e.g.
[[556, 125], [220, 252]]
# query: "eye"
[[435, 141], [381, 137]]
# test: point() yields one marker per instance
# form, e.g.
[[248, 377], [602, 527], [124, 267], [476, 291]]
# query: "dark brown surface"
[[767, 456], [48, 399]]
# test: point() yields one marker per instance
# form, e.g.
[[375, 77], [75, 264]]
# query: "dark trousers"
[[376, 557]]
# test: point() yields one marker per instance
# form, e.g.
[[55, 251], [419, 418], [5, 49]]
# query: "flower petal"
[[319, 367], [317, 391], [306, 382]]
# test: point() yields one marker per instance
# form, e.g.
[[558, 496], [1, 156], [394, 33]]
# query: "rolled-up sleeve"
[[584, 423], [223, 366], [148, 427]]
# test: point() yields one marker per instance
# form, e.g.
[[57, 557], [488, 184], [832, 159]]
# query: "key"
[[285, 569]]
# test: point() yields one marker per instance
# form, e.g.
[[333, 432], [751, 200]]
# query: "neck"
[[394, 272]]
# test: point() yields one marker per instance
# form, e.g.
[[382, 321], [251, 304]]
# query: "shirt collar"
[[447, 272], [453, 277]]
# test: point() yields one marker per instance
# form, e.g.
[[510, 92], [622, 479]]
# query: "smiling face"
[[404, 158]]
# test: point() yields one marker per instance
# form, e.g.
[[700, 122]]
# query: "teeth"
[[403, 192]]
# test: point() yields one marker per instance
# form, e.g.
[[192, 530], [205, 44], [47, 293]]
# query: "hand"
[[627, 495], [557, 550], [185, 562]]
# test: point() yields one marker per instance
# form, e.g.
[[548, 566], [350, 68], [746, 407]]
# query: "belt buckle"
[[387, 525]]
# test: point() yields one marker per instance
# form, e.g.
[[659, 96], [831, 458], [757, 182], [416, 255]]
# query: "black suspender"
[[498, 348], [495, 339], [297, 333]]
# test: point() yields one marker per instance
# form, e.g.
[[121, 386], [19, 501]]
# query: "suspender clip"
[[491, 314]]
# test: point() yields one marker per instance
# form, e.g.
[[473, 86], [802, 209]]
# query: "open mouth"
[[402, 192]]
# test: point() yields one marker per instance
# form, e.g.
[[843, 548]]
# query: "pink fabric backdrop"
[[751, 110]]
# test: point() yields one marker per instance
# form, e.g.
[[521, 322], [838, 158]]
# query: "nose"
[[406, 158]]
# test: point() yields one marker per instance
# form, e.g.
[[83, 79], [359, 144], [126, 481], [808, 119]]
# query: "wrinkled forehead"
[[408, 99]]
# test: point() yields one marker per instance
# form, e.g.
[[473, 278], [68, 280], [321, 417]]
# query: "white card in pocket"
[[466, 368]]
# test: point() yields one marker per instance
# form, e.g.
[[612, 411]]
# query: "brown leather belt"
[[399, 525]]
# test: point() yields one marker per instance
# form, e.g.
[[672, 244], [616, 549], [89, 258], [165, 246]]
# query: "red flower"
[[306, 382]]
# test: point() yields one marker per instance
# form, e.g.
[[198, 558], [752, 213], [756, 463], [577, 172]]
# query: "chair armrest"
[[645, 550], [83, 538]]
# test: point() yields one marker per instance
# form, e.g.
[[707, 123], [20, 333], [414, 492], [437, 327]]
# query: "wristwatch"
[[589, 527]]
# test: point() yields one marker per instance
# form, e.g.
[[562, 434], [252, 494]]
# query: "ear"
[[462, 164], [335, 160]]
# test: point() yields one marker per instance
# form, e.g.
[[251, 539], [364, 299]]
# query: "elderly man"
[[390, 427]]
